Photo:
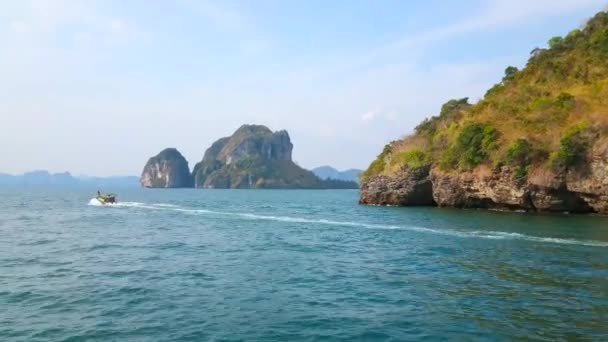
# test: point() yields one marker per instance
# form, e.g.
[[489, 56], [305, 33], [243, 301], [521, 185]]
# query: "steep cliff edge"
[[410, 187], [256, 157], [168, 169], [537, 141]]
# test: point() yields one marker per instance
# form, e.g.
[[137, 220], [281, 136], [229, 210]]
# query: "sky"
[[98, 87]]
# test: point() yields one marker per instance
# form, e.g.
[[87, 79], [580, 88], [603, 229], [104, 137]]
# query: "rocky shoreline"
[[583, 190]]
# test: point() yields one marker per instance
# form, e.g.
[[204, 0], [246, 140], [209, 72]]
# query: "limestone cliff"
[[168, 169], [582, 190], [255, 157], [412, 187]]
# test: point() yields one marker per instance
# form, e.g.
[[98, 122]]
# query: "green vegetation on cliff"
[[548, 116]]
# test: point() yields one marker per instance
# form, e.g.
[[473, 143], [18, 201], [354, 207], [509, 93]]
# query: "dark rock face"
[[500, 190], [494, 191], [211, 162], [592, 185], [575, 191], [168, 169], [255, 157], [255, 141], [412, 188]]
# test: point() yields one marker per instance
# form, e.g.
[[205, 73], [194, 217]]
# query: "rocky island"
[[256, 157], [168, 169], [253, 157], [537, 141]]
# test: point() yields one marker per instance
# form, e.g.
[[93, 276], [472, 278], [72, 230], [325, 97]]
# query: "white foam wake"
[[166, 205], [95, 202], [492, 235]]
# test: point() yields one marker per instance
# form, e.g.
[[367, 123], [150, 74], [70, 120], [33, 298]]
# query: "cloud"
[[19, 27], [253, 46], [47, 20], [46, 16], [233, 23], [369, 115], [385, 114], [218, 15], [495, 14], [116, 25], [504, 13]]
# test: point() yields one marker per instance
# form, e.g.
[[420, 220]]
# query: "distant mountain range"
[[328, 172], [43, 177]]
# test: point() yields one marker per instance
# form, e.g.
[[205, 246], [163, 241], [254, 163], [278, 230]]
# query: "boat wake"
[[491, 235], [96, 203]]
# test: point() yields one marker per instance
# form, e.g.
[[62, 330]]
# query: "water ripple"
[[183, 265], [492, 235]]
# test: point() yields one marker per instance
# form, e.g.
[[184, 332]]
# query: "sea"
[[291, 265]]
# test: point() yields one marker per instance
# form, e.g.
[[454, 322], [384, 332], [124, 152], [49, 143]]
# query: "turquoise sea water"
[[196, 265]]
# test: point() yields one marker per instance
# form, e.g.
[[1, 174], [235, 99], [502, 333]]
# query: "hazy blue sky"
[[97, 87]]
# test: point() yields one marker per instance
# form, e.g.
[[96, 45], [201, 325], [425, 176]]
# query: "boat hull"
[[106, 200]]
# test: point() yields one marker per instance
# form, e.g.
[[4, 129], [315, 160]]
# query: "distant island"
[[254, 157], [43, 177], [537, 141], [168, 169], [328, 172]]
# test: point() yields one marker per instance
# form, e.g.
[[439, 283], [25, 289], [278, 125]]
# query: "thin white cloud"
[[384, 114], [496, 14], [369, 115], [253, 46], [116, 25], [218, 14], [47, 16], [19, 27], [238, 27]]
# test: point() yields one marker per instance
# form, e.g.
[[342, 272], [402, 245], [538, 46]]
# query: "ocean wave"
[[490, 235], [166, 205]]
